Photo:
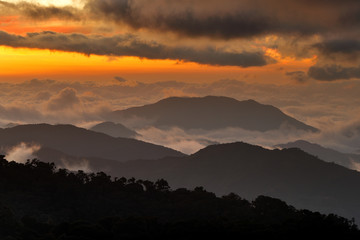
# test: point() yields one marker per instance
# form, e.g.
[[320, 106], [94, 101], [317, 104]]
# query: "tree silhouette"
[[38, 201]]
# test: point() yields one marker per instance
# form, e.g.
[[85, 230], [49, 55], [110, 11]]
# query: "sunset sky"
[[89, 56], [274, 41]]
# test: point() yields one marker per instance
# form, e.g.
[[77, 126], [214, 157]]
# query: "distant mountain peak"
[[114, 130], [209, 113], [327, 154], [206, 98], [236, 148]]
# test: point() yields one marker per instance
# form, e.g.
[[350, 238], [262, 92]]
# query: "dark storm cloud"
[[185, 22], [344, 46], [333, 72], [39, 12], [230, 18], [230, 26], [239, 22], [129, 45], [225, 20]]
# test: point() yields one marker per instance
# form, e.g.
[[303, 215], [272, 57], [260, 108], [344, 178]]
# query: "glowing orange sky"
[[32, 63], [23, 64], [17, 25]]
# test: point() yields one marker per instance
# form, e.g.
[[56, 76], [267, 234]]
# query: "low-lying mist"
[[342, 138], [71, 165], [22, 152], [84, 104], [27, 151]]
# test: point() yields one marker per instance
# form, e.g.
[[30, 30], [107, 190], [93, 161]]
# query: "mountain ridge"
[[82, 142], [327, 154], [209, 113], [299, 178], [114, 130]]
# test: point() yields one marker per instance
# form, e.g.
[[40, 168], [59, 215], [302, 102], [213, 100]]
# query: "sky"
[[70, 61]]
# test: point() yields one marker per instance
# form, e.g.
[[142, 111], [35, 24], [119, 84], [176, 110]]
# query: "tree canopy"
[[39, 201]]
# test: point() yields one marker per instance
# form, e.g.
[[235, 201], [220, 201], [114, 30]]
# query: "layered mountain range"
[[80, 142], [348, 160], [301, 179]]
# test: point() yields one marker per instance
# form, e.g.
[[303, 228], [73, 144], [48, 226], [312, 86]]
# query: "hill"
[[114, 130], [80, 142], [351, 161], [209, 113], [50, 203], [74, 163], [290, 174]]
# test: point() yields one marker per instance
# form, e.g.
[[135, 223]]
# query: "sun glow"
[[46, 63], [38, 63]]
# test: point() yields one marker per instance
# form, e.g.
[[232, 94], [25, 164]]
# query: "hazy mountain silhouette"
[[10, 125], [351, 161], [70, 162], [85, 143], [290, 174], [114, 130], [210, 113]]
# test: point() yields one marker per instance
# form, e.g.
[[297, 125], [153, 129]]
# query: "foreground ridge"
[[39, 201]]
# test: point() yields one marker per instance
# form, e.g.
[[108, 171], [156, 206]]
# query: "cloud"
[[19, 113], [43, 96], [180, 20], [193, 140], [322, 104], [344, 46], [130, 45], [66, 99], [230, 19], [325, 105], [72, 165], [228, 34], [22, 152], [53, 102], [299, 76], [333, 72], [343, 137], [40, 12]]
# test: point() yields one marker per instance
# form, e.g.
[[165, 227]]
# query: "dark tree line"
[[39, 201]]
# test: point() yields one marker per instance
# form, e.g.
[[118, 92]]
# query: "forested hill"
[[38, 201]]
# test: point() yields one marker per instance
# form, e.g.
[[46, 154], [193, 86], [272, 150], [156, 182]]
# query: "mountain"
[[74, 163], [351, 161], [10, 125], [80, 142], [210, 113], [114, 130], [293, 175], [39, 201]]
